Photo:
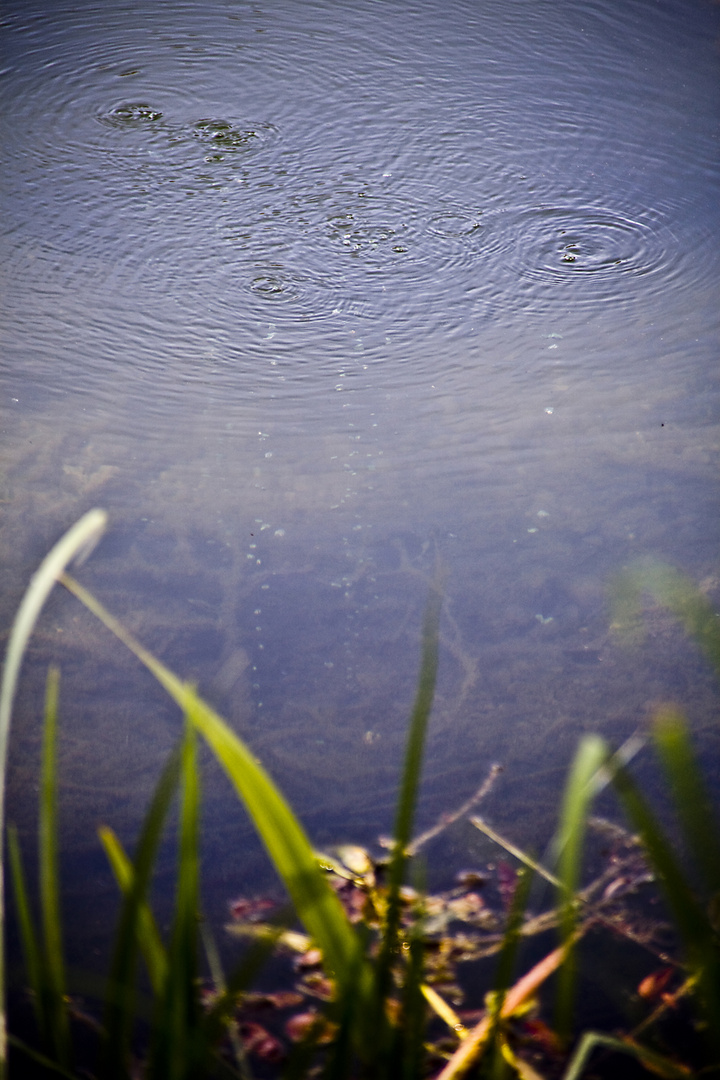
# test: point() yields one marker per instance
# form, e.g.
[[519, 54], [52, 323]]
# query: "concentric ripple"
[[594, 253], [131, 113]]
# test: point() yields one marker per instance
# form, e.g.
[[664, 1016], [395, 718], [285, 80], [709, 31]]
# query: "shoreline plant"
[[375, 993]]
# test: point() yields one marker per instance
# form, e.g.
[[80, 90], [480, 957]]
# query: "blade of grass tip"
[[119, 1006], [76, 542], [693, 806], [48, 877], [150, 942], [579, 791], [28, 933], [407, 798], [316, 904]]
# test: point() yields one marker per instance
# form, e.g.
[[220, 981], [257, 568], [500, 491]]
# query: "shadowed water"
[[310, 296]]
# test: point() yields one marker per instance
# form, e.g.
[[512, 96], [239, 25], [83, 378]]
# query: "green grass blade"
[[691, 919], [219, 1018], [119, 1008], [579, 791], [693, 807], [687, 912], [28, 934], [315, 902], [178, 1049], [418, 724], [407, 798], [59, 1031], [149, 939], [660, 1065], [75, 543], [674, 591], [507, 956]]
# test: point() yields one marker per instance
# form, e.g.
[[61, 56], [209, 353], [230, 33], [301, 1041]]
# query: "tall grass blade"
[[692, 804], [76, 543], [149, 940], [414, 1010], [407, 798], [59, 1032], [178, 1037], [219, 1018], [28, 934], [417, 731], [507, 956], [132, 927], [579, 791], [693, 923], [316, 904]]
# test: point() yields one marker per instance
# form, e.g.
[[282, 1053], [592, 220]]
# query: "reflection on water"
[[311, 297]]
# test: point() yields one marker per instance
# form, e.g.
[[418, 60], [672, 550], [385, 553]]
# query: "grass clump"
[[376, 992]]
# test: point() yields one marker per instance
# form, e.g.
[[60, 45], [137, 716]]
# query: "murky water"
[[308, 295]]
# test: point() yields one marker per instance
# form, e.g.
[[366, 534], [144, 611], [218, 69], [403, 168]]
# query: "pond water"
[[309, 296]]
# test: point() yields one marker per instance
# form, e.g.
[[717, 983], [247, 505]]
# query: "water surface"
[[310, 296]]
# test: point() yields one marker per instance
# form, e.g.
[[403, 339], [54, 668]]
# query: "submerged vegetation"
[[378, 963]]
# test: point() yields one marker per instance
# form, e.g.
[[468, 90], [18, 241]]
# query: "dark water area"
[[309, 296]]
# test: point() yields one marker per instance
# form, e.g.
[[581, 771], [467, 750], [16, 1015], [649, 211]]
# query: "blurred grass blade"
[[220, 1016], [149, 939], [508, 953], [579, 791], [692, 921], [692, 804], [407, 798], [418, 724], [674, 591], [28, 934], [41, 1059], [76, 542], [132, 926], [179, 1049], [316, 904], [59, 1032], [654, 1062]]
